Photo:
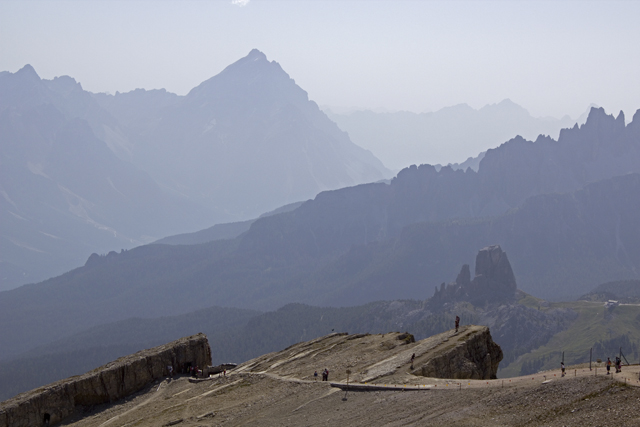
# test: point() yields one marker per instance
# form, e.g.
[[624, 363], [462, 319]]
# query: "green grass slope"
[[598, 327]]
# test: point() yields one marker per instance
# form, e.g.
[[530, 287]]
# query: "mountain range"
[[446, 136], [84, 172], [249, 137], [518, 327], [561, 209], [65, 193]]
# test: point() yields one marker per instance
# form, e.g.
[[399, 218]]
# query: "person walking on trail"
[[618, 365], [608, 366], [315, 376], [562, 367], [457, 323]]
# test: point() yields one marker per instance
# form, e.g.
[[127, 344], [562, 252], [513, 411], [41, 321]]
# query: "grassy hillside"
[[603, 329], [624, 291]]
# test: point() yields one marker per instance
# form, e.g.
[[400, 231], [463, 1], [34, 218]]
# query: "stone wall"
[[474, 356], [105, 384]]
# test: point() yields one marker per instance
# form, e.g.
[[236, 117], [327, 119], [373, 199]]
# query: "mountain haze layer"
[[65, 193], [85, 173], [378, 241], [448, 135], [249, 138]]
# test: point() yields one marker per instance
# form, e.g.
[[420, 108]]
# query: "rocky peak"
[[464, 277], [256, 55], [64, 85], [494, 281], [492, 265], [27, 73], [603, 124], [253, 77]]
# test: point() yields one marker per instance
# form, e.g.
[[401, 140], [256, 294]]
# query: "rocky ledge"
[[105, 384], [470, 353]]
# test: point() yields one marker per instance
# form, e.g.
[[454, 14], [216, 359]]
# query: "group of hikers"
[[618, 365], [325, 375], [192, 371]]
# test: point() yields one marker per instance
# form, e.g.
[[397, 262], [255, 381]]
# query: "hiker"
[[562, 367], [608, 366], [315, 375], [170, 369], [618, 365], [457, 323]]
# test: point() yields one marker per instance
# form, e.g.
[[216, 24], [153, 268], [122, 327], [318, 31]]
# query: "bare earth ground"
[[278, 389]]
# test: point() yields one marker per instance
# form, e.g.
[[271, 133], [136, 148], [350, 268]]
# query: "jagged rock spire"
[[494, 281]]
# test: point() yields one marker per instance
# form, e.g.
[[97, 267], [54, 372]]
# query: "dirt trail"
[[279, 389]]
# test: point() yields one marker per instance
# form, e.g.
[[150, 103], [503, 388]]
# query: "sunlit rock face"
[[106, 384], [471, 355]]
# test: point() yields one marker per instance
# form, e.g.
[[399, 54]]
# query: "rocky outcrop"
[[494, 281], [470, 354], [105, 384]]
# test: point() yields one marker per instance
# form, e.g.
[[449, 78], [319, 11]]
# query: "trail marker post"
[[347, 390]]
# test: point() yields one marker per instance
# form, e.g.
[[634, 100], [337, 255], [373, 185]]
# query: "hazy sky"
[[553, 58]]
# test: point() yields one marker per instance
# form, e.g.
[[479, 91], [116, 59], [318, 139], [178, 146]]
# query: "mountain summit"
[[251, 141], [76, 165]]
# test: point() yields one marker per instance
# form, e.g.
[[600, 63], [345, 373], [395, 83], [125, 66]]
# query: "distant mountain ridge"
[[132, 168], [380, 241], [625, 291], [403, 138], [250, 122], [65, 194], [221, 231], [266, 332]]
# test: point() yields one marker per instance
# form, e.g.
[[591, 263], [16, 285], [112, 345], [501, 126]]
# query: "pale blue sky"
[[553, 58]]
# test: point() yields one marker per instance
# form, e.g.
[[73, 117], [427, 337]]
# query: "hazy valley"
[[242, 211]]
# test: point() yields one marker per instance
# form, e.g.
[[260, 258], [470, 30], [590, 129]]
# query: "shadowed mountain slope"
[[490, 299], [558, 244], [250, 138], [221, 231], [66, 195], [625, 291], [445, 136], [358, 244], [85, 173]]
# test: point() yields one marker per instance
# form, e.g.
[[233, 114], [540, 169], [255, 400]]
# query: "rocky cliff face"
[[108, 383], [470, 355], [494, 281]]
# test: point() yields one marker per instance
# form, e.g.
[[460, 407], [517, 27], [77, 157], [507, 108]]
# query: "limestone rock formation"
[[392, 358], [471, 354], [107, 383], [494, 281]]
